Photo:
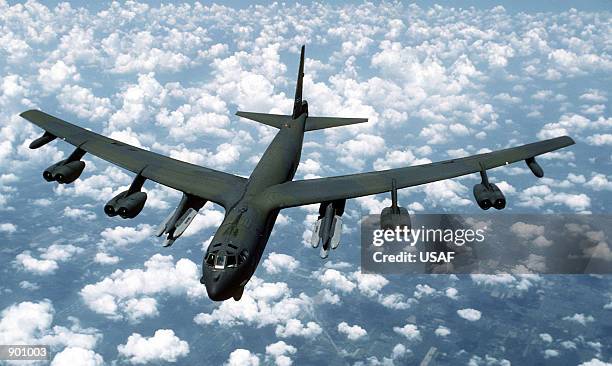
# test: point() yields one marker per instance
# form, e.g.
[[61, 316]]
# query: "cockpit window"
[[244, 254], [220, 261]]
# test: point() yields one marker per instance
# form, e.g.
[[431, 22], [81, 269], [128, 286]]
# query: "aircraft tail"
[[300, 107]]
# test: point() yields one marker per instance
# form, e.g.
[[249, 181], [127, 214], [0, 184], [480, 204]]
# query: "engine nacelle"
[[393, 217], [126, 205], [64, 172], [489, 195]]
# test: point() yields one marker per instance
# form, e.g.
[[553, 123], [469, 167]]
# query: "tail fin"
[[297, 104], [299, 107]]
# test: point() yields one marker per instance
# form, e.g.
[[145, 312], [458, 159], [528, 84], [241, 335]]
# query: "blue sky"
[[436, 83]]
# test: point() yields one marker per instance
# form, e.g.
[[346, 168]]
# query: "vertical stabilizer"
[[297, 104]]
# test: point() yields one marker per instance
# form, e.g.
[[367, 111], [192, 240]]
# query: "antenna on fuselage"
[[297, 104]]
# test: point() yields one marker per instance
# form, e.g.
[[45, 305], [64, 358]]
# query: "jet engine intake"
[[67, 170], [64, 172], [488, 196], [125, 204]]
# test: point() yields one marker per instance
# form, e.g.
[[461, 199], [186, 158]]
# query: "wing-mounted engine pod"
[[394, 216], [128, 204], [67, 170], [42, 140], [487, 194], [177, 222], [535, 168], [327, 231]]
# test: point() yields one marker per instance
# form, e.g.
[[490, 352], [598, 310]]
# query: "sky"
[[436, 81]]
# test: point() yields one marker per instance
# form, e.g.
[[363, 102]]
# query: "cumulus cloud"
[[410, 331], [352, 332], [70, 355], [580, 318], [50, 257], [442, 331], [280, 352], [277, 262], [32, 323], [124, 235], [469, 314], [163, 346], [294, 327], [263, 304], [128, 293], [242, 357]]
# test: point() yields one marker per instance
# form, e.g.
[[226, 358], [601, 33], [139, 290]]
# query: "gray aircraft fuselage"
[[249, 221]]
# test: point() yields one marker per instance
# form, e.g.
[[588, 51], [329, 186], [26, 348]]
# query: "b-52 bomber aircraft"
[[252, 204]]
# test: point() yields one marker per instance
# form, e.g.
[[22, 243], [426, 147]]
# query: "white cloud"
[[423, 290], [410, 331], [335, 279], [36, 266], [71, 356], [83, 103], [242, 357], [294, 327], [600, 139], [55, 76], [526, 231], [369, 284], [79, 214], [548, 353], [546, 337], [105, 258], [469, 314], [124, 235], [599, 182], [7, 227], [163, 346], [352, 332], [580, 318], [280, 352], [452, 293], [128, 292], [262, 304], [442, 331], [50, 257], [277, 262], [353, 152], [595, 362], [32, 323]]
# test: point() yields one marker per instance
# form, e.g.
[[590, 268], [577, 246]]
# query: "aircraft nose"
[[216, 292], [215, 287]]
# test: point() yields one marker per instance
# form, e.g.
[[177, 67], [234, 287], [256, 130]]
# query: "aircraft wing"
[[206, 183], [304, 192]]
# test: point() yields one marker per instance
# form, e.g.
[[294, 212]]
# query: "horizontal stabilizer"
[[312, 123], [274, 120], [319, 123]]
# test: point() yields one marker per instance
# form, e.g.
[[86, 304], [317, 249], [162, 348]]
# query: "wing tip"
[[29, 112], [565, 140]]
